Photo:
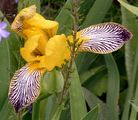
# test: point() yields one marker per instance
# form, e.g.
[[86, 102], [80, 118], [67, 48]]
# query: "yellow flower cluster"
[[43, 48]]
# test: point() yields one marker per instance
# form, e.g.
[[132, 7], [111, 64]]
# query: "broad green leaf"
[[93, 100], [89, 73], [26, 3], [134, 103], [57, 114], [53, 81], [129, 7], [113, 88], [77, 100], [96, 15], [35, 112], [8, 63], [65, 19], [131, 56], [135, 106], [7, 112], [48, 108], [99, 80], [54, 109], [84, 60], [93, 114]]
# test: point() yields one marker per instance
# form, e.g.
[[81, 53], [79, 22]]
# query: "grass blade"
[[92, 101], [129, 7], [93, 114], [96, 15], [131, 56], [113, 88], [77, 100]]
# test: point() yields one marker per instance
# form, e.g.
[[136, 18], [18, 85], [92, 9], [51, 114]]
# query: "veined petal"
[[104, 38], [24, 87]]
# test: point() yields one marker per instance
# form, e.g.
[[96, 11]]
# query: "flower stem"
[[73, 50], [19, 115]]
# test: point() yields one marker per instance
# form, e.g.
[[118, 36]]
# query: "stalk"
[[73, 49]]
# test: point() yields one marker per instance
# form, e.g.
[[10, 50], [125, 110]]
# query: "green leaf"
[[113, 88], [84, 60], [93, 114], [7, 112], [96, 15], [77, 100], [53, 81], [8, 63], [134, 110], [93, 100], [131, 56], [35, 112], [135, 106], [129, 7], [26, 3], [89, 73], [65, 19], [100, 83]]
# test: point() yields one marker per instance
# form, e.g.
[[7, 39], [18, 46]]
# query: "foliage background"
[[108, 82]]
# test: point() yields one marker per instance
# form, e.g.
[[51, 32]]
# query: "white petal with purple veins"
[[24, 87], [104, 38]]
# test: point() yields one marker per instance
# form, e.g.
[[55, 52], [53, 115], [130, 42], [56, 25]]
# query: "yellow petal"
[[28, 51], [50, 27], [57, 51], [28, 33], [25, 13]]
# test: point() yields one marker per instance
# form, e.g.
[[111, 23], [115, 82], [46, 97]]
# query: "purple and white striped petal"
[[24, 87], [104, 38]]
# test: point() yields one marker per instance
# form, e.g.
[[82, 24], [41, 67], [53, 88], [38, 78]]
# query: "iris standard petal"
[[24, 87], [25, 13], [28, 52], [104, 38], [57, 51], [28, 33], [37, 21]]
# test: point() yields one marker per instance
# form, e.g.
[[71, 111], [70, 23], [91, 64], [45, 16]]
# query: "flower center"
[[36, 53]]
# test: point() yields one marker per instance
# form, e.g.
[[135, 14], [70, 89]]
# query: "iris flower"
[[44, 50], [3, 33]]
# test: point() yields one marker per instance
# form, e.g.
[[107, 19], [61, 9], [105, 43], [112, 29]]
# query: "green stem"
[[19, 116], [69, 68]]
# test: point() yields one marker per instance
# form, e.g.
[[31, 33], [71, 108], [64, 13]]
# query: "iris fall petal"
[[24, 87]]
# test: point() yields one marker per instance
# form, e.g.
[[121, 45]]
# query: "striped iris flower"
[[44, 50]]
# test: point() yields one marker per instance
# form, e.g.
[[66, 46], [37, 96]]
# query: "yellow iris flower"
[[42, 46], [44, 50]]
